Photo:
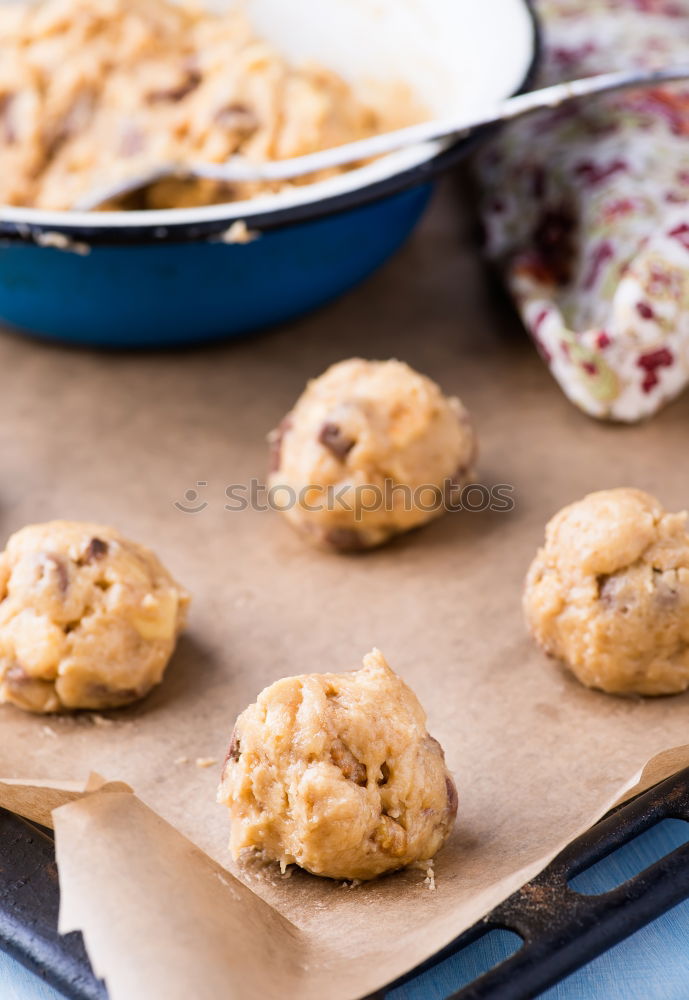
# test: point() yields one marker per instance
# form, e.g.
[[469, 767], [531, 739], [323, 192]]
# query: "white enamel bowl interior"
[[457, 56]]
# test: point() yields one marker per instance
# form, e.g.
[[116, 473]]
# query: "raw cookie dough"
[[95, 91], [609, 593], [87, 618], [336, 773], [371, 449]]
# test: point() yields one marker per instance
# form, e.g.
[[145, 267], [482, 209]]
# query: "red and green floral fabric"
[[586, 208]]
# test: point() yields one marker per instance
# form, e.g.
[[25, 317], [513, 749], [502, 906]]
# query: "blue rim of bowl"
[[266, 220]]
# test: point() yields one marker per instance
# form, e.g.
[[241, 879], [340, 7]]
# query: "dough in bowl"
[[337, 773], [93, 92], [370, 450], [87, 618], [608, 594]]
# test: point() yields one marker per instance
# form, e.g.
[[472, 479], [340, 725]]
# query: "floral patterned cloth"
[[586, 208]]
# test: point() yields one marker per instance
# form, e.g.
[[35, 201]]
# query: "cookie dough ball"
[[336, 773], [87, 618], [371, 449], [609, 593]]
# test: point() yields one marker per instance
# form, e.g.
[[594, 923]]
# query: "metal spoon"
[[239, 169]]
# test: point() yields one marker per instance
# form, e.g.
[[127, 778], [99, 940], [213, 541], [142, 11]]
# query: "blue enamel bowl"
[[155, 279], [187, 288]]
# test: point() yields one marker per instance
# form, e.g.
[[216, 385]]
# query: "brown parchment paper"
[[120, 438]]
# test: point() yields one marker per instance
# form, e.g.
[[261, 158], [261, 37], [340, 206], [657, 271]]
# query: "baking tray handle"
[[562, 929]]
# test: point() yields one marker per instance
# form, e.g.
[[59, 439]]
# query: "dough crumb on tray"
[[205, 762], [336, 773]]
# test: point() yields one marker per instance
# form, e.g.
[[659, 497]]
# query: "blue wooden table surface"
[[653, 964]]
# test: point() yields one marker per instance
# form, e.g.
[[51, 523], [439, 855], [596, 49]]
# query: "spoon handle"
[[239, 169]]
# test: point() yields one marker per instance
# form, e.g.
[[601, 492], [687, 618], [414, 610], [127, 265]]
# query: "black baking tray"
[[560, 929]]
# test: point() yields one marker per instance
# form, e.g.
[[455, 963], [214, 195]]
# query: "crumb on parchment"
[[430, 877], [427, 867], [58, 241], [101, 720], [239, 233]]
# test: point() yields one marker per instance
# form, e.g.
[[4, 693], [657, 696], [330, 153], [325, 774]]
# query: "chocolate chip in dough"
[[234, 750], [132, 142], [17, 677], [60, 570], [335, 440], [237, 118], [95, 550], [452, 797], [175, 94], [351, 767], [113, 696], [8, 132]]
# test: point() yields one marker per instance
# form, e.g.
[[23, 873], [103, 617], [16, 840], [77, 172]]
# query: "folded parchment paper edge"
[[161, 918]]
